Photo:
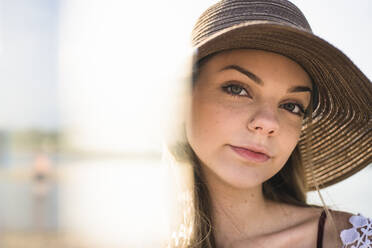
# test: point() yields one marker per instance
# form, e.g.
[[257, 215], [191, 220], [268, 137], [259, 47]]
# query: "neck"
[[238, 213]]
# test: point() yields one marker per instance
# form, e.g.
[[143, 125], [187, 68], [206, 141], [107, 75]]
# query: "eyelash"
[[227, 89]]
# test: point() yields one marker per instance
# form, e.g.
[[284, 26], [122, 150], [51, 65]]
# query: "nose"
[[264, 121]]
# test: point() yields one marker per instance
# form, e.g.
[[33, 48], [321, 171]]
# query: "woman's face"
[[246, 115]]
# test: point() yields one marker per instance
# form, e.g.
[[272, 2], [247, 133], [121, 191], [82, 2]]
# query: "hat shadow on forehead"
[[337, 144]]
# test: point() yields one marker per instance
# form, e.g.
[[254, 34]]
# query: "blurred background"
[[84, 86]]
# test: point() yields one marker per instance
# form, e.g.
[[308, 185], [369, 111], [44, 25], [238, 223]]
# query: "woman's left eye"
[[294, 108]]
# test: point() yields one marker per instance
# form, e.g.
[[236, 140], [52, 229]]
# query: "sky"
[[28, 64]]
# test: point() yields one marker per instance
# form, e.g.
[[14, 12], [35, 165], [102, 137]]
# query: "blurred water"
[[103, 203], [116, 202], [22, 209]]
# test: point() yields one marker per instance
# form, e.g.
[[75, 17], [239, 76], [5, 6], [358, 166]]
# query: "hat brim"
[[341, 135]]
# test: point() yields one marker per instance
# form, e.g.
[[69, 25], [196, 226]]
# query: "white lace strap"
[[360, 235]]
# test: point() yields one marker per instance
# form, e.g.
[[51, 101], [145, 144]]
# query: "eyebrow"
[[299, 89], [259, 81], [249, 74]]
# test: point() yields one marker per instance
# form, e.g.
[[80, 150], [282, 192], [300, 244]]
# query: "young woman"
[[274, 112]]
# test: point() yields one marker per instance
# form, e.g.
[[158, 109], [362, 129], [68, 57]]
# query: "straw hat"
[[341, 136]]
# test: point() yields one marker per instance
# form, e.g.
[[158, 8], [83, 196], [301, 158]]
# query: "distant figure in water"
[[41, 190]]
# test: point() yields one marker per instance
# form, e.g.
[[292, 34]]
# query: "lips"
[[253, 154]]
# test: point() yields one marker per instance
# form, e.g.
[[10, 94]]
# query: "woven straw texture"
[[341, 134]]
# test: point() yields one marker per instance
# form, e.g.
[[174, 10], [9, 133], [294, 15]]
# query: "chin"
[[238, 176]]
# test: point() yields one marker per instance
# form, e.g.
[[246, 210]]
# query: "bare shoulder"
[[341, 219], [334, 225]]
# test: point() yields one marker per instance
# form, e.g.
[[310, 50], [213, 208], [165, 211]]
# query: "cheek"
[[209, 126], [205, 122], [289, 137]]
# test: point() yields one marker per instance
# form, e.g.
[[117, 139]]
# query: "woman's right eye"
[[235, 90]]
